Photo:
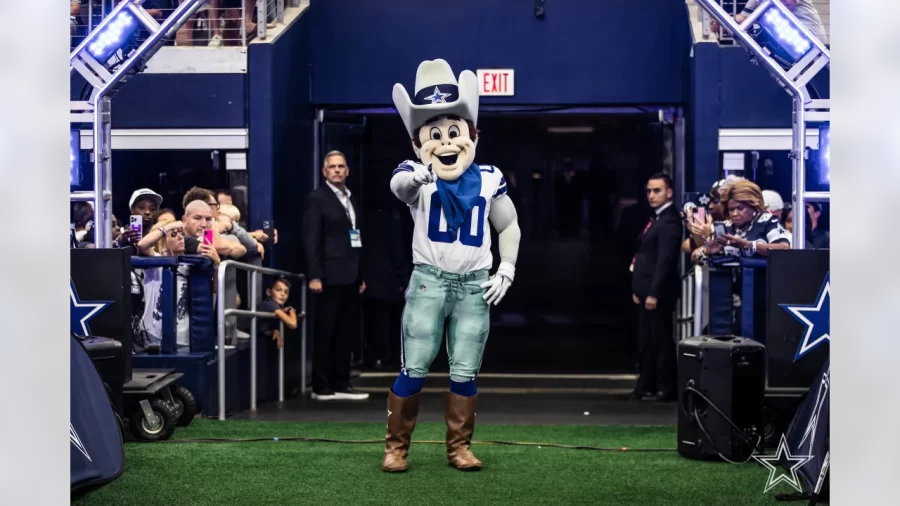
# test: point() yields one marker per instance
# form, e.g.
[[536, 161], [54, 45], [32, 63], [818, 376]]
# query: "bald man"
[[197, 218]]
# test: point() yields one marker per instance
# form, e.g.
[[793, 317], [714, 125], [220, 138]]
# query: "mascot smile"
[[454, 203]]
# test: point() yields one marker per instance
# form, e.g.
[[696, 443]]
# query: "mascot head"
[[441, 119]]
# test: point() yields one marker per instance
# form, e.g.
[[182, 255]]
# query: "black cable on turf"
[[737, 429], [381, 441]]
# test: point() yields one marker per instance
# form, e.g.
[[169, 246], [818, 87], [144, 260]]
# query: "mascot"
[[452, 200]]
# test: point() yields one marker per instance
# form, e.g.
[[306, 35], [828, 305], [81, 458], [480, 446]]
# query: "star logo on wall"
[[437, 97], [815, 317], [80, 313], [777, 464]]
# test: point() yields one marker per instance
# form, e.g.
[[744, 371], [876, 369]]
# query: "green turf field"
[[322, 473]]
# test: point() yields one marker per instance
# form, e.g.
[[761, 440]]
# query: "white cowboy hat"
[[437, 93]]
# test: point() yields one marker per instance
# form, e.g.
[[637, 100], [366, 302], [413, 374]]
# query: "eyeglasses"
[[176, 232], [214, 204]]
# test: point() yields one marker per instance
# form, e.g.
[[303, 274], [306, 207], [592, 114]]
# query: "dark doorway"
[[573, 177]]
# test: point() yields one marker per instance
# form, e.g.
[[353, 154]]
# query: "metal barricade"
[[221, 313], [689, 317]]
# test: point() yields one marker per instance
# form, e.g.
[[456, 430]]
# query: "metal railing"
[[214, 25], [221, 314], [690, 313]]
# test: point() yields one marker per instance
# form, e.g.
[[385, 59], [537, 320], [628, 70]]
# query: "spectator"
[[197, 218], [699, 232], [164, 239], [145, 202], [230, 240], [655, 289], [224, 197], [332, 244], [84, 222], [813, 239], [751, 231], [276, 297], [773, 203]]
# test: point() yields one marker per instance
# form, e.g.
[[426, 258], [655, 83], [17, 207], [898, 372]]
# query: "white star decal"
[[815, 317], [438, 97], [795, 461], [80, 317], [703, 200]]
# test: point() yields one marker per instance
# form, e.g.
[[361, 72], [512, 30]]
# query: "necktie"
[[643, 234]]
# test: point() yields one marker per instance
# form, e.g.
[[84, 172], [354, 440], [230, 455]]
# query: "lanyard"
[[347, 209]]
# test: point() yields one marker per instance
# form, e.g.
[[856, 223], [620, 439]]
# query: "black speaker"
[[109, 360], [728, 373]]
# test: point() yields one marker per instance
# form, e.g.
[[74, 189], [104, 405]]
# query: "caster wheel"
[[185, 405], [159, 426]]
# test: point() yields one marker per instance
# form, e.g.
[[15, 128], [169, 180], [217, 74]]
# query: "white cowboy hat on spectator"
[[145, 193], [437, 93], [772, 200]]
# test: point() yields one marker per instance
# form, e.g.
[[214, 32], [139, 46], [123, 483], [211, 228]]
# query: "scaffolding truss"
[[106, 77]]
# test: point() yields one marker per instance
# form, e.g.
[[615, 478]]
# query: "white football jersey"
[[470, 249]]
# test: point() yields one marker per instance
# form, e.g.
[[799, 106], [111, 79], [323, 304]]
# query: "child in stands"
[[276, 298]]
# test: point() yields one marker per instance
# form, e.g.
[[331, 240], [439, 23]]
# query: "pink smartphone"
[[208, 236], [700, 215]]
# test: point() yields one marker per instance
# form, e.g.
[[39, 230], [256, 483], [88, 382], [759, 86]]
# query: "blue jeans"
[[433, 298]]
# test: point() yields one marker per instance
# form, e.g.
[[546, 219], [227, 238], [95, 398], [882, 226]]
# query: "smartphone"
[[268, 227], [700, 216], [719, 229], [208, 236], [137, 224]]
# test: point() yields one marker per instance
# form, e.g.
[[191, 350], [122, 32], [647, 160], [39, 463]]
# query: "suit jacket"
[[656, 266], [326, 239]]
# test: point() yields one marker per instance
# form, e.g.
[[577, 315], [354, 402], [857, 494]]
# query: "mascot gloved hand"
[[499, 283], [454, 203]]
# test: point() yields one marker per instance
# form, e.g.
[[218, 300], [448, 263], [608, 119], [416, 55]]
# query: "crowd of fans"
[[751, 222], [161, 233]]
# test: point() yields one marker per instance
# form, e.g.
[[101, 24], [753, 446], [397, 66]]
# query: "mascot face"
[[448, 146]]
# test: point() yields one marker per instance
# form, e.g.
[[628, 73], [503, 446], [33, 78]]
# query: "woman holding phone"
[[749, 231]]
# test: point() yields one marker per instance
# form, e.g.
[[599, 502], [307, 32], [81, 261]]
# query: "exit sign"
[[496, 82]]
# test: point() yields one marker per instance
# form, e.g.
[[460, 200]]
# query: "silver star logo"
[[772, 463], [73, 437], [704, 200]]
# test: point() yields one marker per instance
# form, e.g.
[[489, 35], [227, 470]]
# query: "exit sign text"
[[497, 82]]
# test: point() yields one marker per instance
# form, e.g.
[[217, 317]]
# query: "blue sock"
[[466, 389], [406, 386]]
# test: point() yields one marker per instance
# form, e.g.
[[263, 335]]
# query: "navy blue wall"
[[177, 101], [702, 116], [582, 52], [281, 137]]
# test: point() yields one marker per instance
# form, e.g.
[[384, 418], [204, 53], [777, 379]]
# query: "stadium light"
[[785, 32], [824, 157], [112, 37], [74, 157]]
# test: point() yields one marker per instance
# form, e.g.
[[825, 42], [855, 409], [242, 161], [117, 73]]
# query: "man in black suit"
[[655, 287], [333, 244]]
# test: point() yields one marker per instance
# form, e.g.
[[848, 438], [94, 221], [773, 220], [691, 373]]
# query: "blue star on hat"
[[80, 313], [816, 319], [438, 97]]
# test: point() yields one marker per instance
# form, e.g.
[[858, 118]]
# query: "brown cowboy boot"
[[402, 415], [459, 412]]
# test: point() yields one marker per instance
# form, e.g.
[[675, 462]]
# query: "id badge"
[[355, 240]]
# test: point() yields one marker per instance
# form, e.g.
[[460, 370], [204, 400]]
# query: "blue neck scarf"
[[459, 197]]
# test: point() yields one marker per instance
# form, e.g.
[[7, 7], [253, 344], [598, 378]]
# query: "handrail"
[[253, 271], [690, 305]]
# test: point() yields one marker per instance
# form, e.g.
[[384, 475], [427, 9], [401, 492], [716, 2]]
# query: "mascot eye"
[[435, 133], [453, 131]]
